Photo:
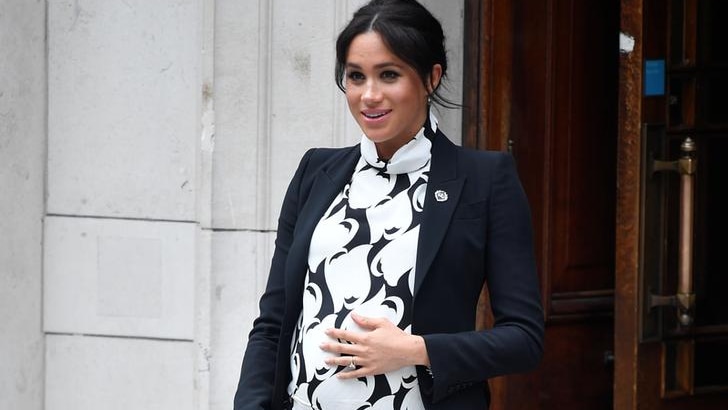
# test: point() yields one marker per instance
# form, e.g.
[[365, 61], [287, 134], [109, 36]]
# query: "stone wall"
[[22, 175]]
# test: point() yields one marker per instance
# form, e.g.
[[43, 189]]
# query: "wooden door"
[[544, 76], [672, 352]]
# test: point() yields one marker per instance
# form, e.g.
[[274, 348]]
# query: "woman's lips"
[[375, 115]]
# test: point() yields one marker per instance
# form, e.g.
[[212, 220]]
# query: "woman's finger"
[[370, 323], [353, 374], [341, 334], [340, 348], [350, 362]]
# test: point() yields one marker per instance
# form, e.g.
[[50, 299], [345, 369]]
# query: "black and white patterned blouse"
[[362, 260]]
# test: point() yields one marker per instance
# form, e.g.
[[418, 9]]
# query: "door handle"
[[667, 304], [667, 298], [684, 299], [685, 296]]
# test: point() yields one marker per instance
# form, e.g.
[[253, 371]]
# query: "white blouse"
[[362, 260]]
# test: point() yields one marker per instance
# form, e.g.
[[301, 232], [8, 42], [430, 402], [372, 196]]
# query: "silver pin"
[[440, 195]]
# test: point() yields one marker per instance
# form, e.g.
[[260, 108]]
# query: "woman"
[[382, 248]]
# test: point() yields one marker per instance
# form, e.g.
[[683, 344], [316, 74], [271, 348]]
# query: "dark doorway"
[[545, 76]]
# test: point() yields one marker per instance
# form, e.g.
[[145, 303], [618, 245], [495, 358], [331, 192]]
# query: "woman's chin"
[[376, 136]]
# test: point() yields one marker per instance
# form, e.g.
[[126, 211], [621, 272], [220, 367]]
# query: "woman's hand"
[[382, 349]]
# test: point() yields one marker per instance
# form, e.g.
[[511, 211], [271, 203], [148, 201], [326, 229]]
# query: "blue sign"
[[654, 78]]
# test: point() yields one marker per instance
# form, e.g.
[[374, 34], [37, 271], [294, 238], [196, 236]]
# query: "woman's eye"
[[355, 76], [390, 75]]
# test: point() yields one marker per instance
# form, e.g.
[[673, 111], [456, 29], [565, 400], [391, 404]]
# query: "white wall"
[[22, 169], [126, 199], [173, 128]]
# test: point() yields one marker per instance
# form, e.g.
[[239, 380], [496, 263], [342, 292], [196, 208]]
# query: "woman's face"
[[385, 95]]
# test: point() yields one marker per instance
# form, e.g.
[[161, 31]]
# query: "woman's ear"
[[435, 77]]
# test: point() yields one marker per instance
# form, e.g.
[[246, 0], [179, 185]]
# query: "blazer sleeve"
[[515, 343], [257, 375]]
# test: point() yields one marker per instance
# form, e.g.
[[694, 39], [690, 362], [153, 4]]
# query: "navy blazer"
[[481, 233]]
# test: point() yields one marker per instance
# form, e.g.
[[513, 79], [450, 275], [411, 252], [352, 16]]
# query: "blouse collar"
[[408, 158]]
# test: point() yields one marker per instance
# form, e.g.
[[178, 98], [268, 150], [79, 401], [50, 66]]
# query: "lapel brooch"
[[440, 195]]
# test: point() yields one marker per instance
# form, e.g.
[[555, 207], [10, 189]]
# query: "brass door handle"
[[684, 299], [685, 295]]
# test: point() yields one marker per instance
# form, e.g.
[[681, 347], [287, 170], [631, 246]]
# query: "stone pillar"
[[128, 198], [22, 173]]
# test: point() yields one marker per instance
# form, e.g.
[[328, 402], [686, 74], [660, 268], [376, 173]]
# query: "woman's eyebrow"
[[377, 66]]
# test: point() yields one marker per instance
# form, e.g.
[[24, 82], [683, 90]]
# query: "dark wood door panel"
[[546, 75], [571, 376], [563, 128], [575, 374], [584, 133]]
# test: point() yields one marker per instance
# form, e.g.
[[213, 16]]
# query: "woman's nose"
[[371, 94]]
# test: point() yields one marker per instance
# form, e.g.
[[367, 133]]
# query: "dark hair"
[[408, 29]]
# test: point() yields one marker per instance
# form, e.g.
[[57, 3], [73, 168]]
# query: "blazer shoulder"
[[331, 161], [484, 160], [471, 156], [318, 157], [482, 155]]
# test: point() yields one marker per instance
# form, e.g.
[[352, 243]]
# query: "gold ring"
[[351, 365]]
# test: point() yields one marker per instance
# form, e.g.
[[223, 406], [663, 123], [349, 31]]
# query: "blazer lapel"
[[328, 182], [443, 194]]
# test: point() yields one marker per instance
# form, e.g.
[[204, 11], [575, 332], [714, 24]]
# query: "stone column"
[[22, 174]]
